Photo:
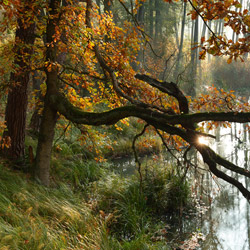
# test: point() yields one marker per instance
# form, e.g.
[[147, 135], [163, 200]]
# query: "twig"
[[62, 134], [166, 146], [135, 153]]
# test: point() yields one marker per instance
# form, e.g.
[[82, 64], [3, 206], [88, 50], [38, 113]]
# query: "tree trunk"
[[157, 20], [49, 118], [140, 14], [151, 19], [240, 10], [208, 34], [45, 140], [203, 34], [15, 113], [181, 41], [176, 34], [35, 121], [107, 5], [191, 88]]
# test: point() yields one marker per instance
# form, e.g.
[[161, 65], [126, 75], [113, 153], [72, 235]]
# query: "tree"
[[194, 57], [183, 22], [102, 67], [15, 114]]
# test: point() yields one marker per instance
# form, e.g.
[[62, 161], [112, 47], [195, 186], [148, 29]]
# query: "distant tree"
[[183, 22]]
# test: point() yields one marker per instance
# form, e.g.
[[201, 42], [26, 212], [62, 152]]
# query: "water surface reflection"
[[226, 224]]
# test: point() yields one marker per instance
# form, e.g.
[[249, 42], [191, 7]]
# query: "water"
[[226, 223]]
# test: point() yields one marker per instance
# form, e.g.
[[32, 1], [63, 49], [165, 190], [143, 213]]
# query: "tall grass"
[[34, 217], [135, 211], [122, 198], [88, 207]]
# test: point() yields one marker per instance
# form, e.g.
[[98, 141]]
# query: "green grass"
[[135, 211], [35, 217]]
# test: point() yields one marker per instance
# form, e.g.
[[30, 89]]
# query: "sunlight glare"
[[202, 140]]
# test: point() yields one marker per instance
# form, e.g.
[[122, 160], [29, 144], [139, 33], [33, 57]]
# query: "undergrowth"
[[36, 217], [88, 206]]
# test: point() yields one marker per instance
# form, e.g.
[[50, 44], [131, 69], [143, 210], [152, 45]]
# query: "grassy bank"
[[35, 217], [87, 207], [89, 204]]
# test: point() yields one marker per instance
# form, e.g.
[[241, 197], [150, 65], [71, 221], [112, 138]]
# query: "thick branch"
[[215, 116], [60, 103], [110, 117], [229, 165], [210, 158], [167, 87]]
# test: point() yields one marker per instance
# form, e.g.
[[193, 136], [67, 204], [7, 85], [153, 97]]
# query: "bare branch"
[[135, 153]]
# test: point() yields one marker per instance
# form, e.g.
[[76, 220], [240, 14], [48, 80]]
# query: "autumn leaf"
[[229, 60]]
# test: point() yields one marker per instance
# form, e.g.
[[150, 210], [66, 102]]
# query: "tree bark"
[[15, 113], [107, 5], [157, 20], [45, 140], [140, 14], [203, 34], [49, 118], [151, 19], [36, 118]]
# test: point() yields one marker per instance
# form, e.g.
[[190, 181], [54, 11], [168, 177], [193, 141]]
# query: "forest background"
[[73, 64]]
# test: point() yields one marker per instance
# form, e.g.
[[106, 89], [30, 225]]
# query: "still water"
[[225, 223]]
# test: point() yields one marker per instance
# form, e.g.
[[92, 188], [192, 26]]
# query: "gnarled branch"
[[167, 87]]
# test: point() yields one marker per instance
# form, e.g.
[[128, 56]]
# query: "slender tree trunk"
[[176, 34], [140, 19], [107, 5], [192, 33], [181, 41], [140, 14], [46, 135], [15, 113], [191, 88], [157, 19], [209, 25], [98, 3], [203, 34], [35, 120], [237, 35], [151, 19]]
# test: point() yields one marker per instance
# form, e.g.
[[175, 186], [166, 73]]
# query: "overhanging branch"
[[211, 159]]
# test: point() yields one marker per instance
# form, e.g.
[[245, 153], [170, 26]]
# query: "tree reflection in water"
[[226, 224]]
